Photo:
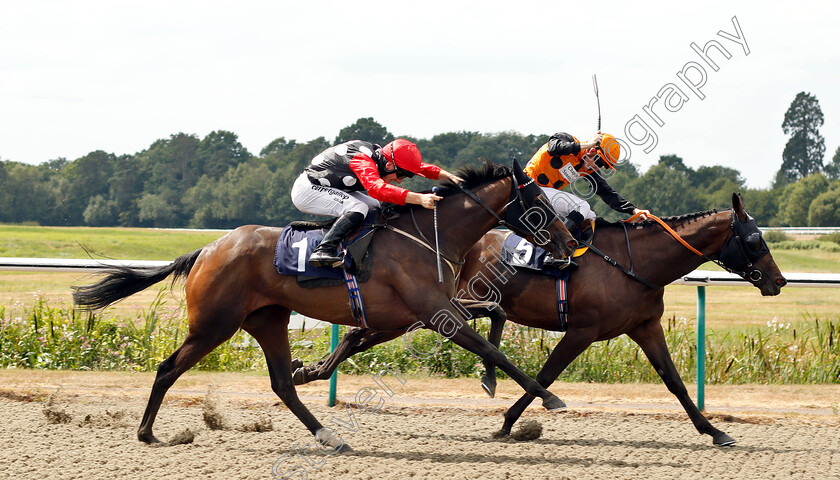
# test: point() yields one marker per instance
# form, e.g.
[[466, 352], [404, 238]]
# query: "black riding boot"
[[572, 222], [325, 254]]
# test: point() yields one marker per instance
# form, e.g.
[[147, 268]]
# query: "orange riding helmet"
[[609, 150]]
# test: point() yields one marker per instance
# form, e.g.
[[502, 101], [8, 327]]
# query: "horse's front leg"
[[356, 340], [467, 338], [273, 337], [573, 343], [651, 338]]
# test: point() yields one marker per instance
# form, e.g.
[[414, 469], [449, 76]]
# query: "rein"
[[669, 230], [754, 274], [631, 272], [481, 202], [515, 196]]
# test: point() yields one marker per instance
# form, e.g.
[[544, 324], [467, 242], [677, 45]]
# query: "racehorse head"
[[746, 253], [531, 215], [513, 200]]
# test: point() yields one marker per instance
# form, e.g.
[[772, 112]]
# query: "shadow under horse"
[[604, 300], [232, 283]]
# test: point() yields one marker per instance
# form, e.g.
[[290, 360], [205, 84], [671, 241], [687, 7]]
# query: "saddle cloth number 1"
[[301, 245]]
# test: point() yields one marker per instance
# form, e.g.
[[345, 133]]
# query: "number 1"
[[301, 246]]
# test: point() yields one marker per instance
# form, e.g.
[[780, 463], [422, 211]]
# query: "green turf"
[[116, 243]]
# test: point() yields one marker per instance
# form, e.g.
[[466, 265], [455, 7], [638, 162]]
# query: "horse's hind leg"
[[270, 327], [354, 341], [651, 338], [497, 318], [199, 342]]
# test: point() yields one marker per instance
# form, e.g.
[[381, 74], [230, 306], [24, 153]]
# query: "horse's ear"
[[519, 174], [738, 206]]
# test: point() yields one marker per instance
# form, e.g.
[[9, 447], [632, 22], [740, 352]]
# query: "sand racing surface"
[[82, 425]]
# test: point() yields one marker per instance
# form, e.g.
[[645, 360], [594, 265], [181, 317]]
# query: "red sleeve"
[[365, 168], [429, 171]]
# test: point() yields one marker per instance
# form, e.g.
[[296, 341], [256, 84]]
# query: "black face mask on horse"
[[744, 247]]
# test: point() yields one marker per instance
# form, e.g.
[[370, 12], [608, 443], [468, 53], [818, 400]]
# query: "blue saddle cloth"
[[521, 253], [291, 255]]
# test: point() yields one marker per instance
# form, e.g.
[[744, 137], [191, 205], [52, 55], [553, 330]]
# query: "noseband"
[[736, 256]]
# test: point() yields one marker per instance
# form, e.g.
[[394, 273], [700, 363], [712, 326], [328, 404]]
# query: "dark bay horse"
[[604, 302], [232, 283]]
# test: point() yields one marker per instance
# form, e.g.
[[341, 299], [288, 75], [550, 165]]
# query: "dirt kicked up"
[[83, 426]]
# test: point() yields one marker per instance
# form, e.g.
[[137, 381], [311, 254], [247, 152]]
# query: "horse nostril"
[[571, 243], [781, 281]]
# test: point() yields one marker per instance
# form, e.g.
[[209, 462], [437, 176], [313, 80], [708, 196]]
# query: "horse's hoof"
[[296, 363], [553, 403], [147, 438], [501, 433], [344, 448], [299, 376], [489, 388], [723, 440], [330, 439]]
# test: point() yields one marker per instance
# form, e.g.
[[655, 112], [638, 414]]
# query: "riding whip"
[[595, 85], [437, 243]]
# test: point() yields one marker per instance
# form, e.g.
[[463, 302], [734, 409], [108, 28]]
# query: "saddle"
[[520, 253], [299, 239]]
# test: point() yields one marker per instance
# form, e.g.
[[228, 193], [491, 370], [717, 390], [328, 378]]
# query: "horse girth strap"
[[668, 229], [425, 245]]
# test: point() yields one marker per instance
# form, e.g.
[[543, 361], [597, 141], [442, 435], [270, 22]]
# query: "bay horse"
[[604, 301], [232, 283]]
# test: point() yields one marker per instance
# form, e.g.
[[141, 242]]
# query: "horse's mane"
[[676, 219], [473, 176]]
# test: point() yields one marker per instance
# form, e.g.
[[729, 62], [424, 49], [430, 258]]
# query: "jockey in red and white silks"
[[349, 179]]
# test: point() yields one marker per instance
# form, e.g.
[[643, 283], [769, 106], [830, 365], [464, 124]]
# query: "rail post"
[[701, 347], [334, 377]]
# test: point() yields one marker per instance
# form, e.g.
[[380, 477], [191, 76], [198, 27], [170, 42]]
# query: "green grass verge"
[[58, 337], [116, 243]]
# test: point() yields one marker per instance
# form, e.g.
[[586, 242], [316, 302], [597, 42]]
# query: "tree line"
[[215, 182]]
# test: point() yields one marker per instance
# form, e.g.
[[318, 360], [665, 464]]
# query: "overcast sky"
[[84, 75]]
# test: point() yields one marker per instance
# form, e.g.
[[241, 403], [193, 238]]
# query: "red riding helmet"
[[405, 156]]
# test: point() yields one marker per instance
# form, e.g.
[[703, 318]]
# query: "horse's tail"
[[121, 282]]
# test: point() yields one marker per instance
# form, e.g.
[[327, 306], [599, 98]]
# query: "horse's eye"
[[754, 241]]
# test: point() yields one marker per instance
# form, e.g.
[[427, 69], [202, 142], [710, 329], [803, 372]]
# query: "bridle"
[[738, 254], [516, 208], [742, 248], [513, 219]]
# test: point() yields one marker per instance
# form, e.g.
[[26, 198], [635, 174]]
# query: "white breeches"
[[564, 203], [321, 200]]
